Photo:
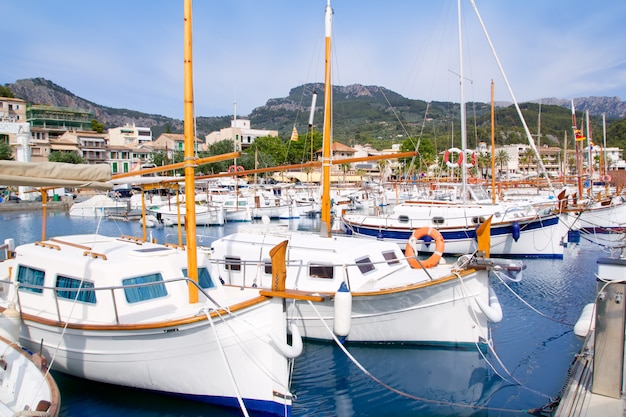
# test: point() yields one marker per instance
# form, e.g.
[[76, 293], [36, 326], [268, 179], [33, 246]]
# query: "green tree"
[[6, 153], [299, 151], [268, 151], [344, 168], [502, 158], [67, 157], [97, 126], [361, 173], [483, 162], [527, 158], [427, 155], [218, 148], [6, 92]]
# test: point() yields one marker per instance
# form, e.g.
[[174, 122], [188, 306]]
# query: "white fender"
[[10, 323], [586, 322], [342, 311], [493, 311], [295, 349]]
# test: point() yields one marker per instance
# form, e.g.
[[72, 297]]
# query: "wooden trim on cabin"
[[48, 245], [295, 295], [134, 239], [95, 255], [74, 245], [175, 246], [410, 287], [145, 326]]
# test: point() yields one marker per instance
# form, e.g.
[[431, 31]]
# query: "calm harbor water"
[[533, 348]]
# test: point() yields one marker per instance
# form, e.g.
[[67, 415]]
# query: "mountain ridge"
[[360, 112]]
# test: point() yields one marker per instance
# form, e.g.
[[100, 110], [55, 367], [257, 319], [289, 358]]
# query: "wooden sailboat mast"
[[190, 201], [325, 216], [579, 163]]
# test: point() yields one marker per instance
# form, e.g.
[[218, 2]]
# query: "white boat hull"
[[182, 360], [26, 384], [441, 314], [153, 338], [389, 297]]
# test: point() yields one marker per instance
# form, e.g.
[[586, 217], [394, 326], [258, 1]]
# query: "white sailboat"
[[129, 312], [519, 230], [371, 291]]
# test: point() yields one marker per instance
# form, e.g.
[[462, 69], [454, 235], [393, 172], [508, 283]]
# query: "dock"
[[596, 382]]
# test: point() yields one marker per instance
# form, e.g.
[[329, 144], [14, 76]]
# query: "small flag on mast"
[[579, 135], [294, 133]]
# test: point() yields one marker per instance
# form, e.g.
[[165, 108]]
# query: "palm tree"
[[344, 168], [382, 167], [361, 173], [502, 157], [528, 158], [484, 163]]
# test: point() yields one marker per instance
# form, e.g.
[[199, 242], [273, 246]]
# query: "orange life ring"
[[235, 168], [459, 161], [435, 257], [471, 158]]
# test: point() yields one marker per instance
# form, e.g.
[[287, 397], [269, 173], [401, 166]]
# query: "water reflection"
[[425, 380]]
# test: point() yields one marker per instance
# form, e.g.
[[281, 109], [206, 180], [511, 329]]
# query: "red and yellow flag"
[[579, 135], [294, 133]]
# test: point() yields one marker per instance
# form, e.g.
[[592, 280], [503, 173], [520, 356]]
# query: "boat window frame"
[[84, 291], [391, 257], [205, 280], [137, 294], [365, 264], [232, 263], [35, 279], [267, 266], [321, 270]]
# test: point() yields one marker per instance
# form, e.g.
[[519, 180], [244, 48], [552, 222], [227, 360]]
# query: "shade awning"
[[55, 174]]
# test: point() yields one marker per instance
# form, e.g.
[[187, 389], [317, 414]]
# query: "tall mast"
[[578, 137], [326, 163], [463, 115], [190, 210], [493, 146]]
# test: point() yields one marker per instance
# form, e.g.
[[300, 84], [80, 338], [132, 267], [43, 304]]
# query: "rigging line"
[[531, 141], [419, 138], [230, 371], [248, 353], [529, 305], [491, 347], [397, 391]]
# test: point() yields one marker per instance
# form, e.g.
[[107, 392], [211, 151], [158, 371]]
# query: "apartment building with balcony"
[[129, 135], [240, 133], [14, 130], [90, 145]]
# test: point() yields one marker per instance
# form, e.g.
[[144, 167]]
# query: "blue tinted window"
[[204, 278], [71, 289], [144, 292], [30, 276]]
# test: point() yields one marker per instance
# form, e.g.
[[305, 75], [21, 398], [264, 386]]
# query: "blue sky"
[[129, 53]]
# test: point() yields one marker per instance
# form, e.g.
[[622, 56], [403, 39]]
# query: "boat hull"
[[538, 238], [440, 314]]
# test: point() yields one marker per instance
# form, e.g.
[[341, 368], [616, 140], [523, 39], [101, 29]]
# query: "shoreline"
[[35, 205]]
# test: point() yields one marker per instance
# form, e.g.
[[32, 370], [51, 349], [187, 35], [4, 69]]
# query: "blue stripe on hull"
[[469, 233], [264, 407]]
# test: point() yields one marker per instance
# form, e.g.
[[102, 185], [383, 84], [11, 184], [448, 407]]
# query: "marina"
[[252, 309], [534, 342]]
